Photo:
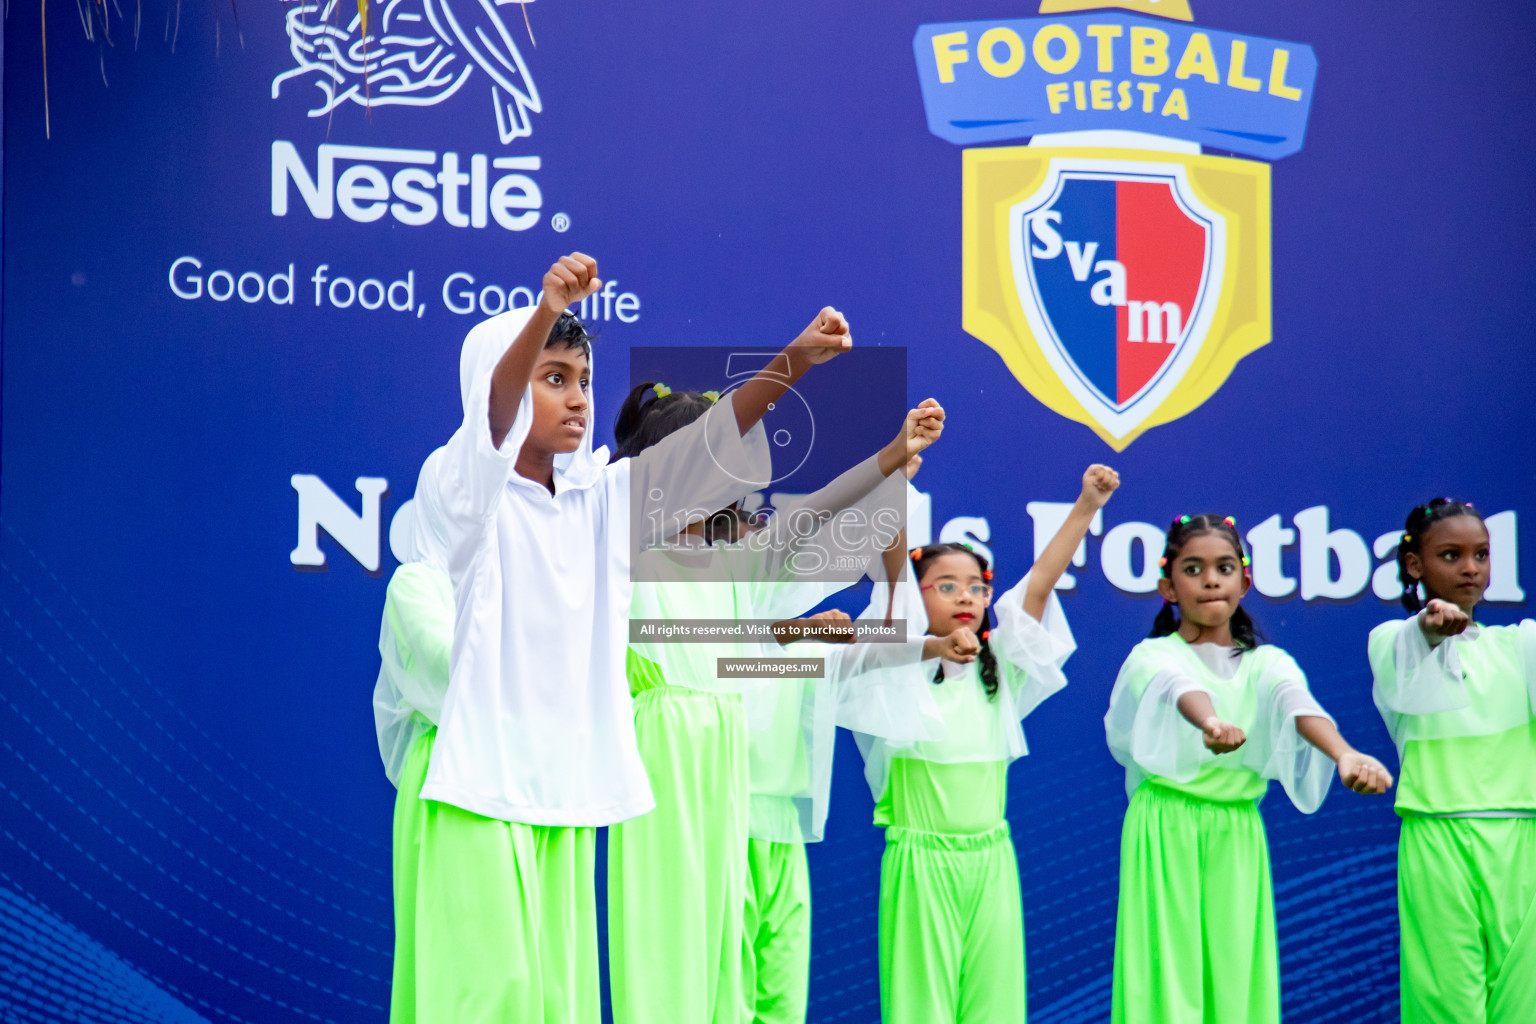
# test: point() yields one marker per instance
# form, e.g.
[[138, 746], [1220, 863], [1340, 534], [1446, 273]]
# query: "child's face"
[[954, 594], [561, 379], [1452, 560], [1206, 581]]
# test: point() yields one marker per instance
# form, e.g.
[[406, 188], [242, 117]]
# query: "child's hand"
[[1441, 618], [836, 626], [1222, 737], [1363, 773], [914, 464], [922, 427], [570, 280], [827, 336], [960, 646], [1099, 482]]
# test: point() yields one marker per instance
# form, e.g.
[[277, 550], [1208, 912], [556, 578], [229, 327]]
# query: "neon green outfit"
[[494, 920], [414, 643], [677, 877], [790, 751], [1461, 716], [951, 913], [784, 772], [1195, 932], [458, 956], [468, 959], [776, 949]]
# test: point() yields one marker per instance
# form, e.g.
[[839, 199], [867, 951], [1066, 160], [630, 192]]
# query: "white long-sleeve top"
[[537, 725]]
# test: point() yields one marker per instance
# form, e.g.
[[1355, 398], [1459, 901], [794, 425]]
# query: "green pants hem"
[[677, 876], [495, 921], [951, 928], [1467, 912], [1195, 932], [776, 940]]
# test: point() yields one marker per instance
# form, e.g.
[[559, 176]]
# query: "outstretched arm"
[[1099, 482], [827, 336], [1220, 737], [1360, 772], [570, 280], [1441, 619]]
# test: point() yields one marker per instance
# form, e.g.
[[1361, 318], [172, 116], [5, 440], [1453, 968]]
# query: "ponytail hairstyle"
[[1245, 632], [644, 421], [1420, 520], [922, 559]]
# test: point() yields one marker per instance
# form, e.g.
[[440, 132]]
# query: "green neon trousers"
[[1195, 934], [1466, 892], [677, 876], [776, 943], [495, 920], [951, 928]]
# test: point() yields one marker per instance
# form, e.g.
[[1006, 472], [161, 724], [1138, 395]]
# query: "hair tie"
[[662, 391], [1230, 522], [713, 396], [1163, 561], [985, 633]]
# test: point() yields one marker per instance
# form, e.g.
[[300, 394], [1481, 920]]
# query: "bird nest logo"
[[1119, 268], [412, 53]]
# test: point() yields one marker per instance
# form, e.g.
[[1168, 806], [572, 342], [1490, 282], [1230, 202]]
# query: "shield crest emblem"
[[1121, 286]]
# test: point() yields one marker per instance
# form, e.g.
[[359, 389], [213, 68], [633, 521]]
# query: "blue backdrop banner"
[[1266, 260]]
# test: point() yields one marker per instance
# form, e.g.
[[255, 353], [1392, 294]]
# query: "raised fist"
[[922, 427], [570, 280], [1099, 482], [825, 337]]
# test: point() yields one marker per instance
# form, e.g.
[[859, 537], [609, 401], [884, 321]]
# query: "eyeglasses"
[[980, 591]]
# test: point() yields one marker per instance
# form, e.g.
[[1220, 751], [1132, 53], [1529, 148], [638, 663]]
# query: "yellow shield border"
[[995, 179]]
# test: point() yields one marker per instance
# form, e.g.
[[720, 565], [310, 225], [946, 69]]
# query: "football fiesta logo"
[[1119, 269]]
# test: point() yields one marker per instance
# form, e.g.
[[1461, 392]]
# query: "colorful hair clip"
[[986, 574], [1467, 504], [1183, 520], [985, 633], [713, 396], [1407, 538], [1163, 561], [917, 554], [662, 391], [1246, 562], [1230, 522], [968, 547]]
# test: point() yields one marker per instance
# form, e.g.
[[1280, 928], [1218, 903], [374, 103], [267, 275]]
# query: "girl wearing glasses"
[[951, 915]]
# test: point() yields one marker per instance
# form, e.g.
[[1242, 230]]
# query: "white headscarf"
[[483, 348]]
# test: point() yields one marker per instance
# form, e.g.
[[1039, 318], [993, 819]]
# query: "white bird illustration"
[[416, 53]]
